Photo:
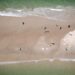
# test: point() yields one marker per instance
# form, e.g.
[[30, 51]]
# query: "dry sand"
[[33, 37]]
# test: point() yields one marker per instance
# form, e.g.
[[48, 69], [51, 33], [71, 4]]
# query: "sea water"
[[47, 8], [40, 68]]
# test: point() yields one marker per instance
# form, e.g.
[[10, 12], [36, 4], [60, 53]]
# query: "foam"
[[37, 61], [50, 13]]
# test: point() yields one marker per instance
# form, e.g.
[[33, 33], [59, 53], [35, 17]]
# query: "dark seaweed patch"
[[23, 23], [53, 43], [69, 26], [60, 28], [66, 49], [45, 28], [20, 49]]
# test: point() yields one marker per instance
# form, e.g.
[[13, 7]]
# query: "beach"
[[37, 37], [33, 38]]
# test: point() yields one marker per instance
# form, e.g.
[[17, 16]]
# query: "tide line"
[[36, 61]]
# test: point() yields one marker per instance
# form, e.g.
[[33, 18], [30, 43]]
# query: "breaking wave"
[[51, 13]]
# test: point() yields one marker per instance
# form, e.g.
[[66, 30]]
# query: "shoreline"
[[37, 61], [47, 12]]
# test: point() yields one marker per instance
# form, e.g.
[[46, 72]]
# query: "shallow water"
[[34, 3], [41, 68]]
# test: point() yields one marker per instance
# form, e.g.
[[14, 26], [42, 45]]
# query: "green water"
[[34, 3], [42, 68]]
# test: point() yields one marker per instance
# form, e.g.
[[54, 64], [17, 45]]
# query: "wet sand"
[[33, 38]]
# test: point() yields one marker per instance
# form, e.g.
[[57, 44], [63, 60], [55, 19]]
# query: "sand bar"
[[33, 38]]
